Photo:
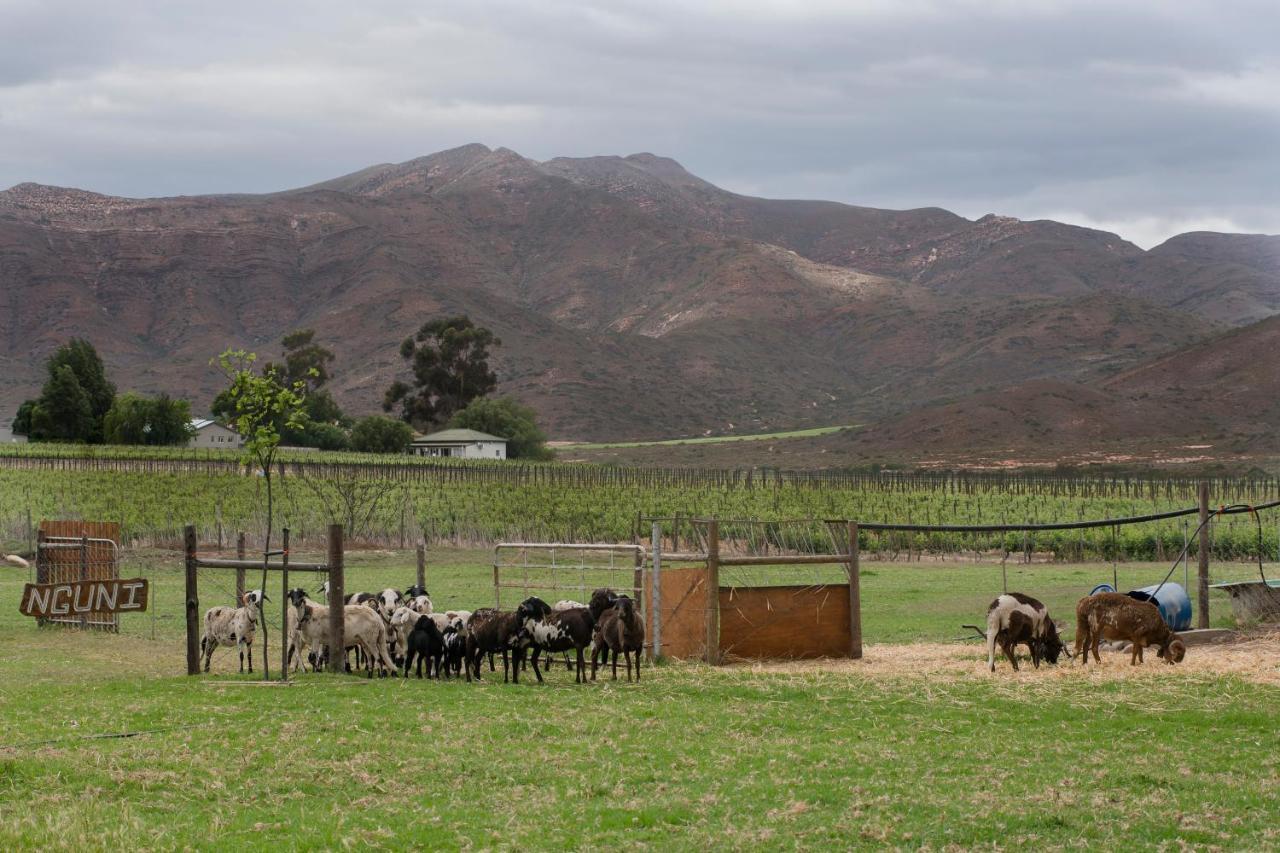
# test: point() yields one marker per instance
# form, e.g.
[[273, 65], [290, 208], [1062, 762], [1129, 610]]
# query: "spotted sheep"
[[1014, 619], [553, 630], [1116, 616], [232, 626]]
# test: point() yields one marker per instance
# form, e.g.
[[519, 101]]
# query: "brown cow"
[[1115, 616]]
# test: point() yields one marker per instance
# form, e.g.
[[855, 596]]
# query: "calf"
[[1014, 619], [1116, 616]]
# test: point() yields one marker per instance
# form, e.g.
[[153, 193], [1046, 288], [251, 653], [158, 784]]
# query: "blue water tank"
[[1173, 602]]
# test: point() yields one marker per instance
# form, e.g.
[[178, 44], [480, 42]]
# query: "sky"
[[1143, 118]]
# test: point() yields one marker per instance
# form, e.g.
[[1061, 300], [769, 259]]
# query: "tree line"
[[450, 384]]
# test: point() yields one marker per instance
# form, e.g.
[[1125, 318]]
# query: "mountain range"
[[635, 300]]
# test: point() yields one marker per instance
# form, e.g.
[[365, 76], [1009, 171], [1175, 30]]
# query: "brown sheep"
[[620, 629], [1115, 616]]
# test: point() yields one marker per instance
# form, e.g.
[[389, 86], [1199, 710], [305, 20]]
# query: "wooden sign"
[[76, 598]]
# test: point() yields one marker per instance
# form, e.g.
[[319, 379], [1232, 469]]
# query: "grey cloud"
[[1142, 113]]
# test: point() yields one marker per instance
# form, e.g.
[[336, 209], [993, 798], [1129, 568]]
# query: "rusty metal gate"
[[69, 551]]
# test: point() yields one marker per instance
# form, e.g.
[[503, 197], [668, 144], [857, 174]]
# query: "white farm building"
[[210, 434], [460, 444]]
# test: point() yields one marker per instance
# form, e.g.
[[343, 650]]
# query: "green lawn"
[[841, 755]]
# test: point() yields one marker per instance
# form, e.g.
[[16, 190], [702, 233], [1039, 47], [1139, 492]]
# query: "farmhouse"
[[460, 443], [211, 434]]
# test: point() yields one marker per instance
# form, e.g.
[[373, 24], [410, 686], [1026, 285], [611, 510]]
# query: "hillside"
[[634, 300]]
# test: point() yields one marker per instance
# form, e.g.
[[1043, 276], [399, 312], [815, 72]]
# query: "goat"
[[229, 626], [621, 630], [1116, 616], [1015, 618], [493, 631], [557, 631], [425, 642]]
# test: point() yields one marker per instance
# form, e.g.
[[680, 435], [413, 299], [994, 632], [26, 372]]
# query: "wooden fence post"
[[855, 595], [240, 555], [284, 605], [193, 603], [1202, 593], [422, 565], [337, 637], [713, 592]]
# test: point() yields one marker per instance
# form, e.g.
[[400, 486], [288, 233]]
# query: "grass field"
[[914, 746]]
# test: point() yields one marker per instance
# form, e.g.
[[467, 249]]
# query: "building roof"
[[200, 423], [457, 436]]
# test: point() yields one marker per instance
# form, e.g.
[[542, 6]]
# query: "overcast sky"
[[1145, 118]]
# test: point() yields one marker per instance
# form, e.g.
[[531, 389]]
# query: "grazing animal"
[[491, 631], [388, 601], [15, 560], [557, 631], [621, 630], [415, 591], [421, 604], [1116, 616], [425, 643], [230, 626], [601, 600], [455, 647], [1014, 619]]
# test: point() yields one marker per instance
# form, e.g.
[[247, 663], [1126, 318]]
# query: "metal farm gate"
[[69, 551]]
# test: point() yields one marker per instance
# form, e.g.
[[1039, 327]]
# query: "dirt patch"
[[1254, 658]]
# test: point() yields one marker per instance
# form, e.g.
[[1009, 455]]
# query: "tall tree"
[[450, 363], [378, 434], [64, 411], [74, 400], [304, 360]]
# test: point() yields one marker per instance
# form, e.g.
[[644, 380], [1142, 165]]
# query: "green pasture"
[[692, 756]]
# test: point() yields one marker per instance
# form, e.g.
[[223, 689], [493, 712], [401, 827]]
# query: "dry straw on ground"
[[1255, 657]]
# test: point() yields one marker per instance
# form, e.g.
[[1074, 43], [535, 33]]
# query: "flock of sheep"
[[391, 631], [1014, 619]]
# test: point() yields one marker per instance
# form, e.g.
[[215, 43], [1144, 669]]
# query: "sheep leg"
[[1007, 648], [580, 671], [615, 664], [1136, 657], [626, 653], [506, 668], [991, 648], [250, 648], [638, 656], [207, 645], [504, 661], [1096, 640], [537, 651]]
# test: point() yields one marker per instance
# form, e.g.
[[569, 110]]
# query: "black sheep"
[[425, 643]]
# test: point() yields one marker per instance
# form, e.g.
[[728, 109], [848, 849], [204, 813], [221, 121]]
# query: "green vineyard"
[[395, 501]]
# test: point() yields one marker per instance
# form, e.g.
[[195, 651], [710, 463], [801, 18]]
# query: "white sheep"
[[568, 604], [421, 604], [363, 628], [229, 626]]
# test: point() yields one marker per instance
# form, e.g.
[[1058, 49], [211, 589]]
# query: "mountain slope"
[[633, 299]]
